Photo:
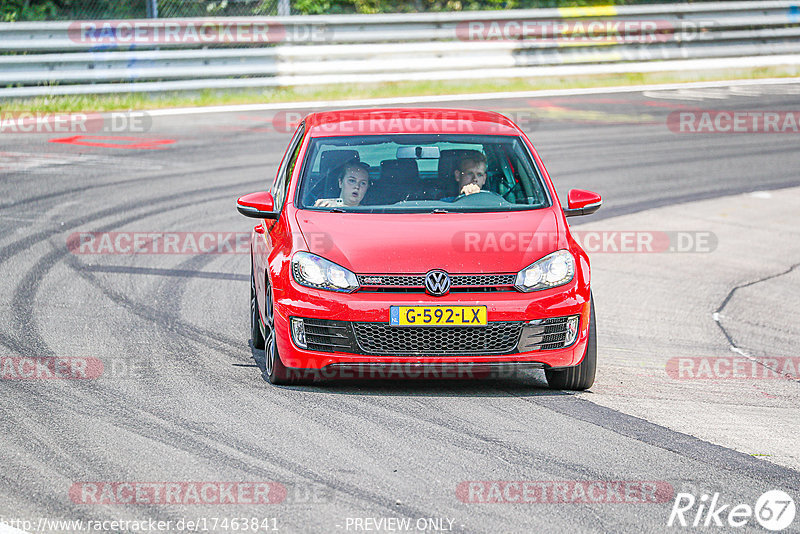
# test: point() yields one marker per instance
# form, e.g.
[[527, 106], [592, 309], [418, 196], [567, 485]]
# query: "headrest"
[[399, 169], [331, 165]]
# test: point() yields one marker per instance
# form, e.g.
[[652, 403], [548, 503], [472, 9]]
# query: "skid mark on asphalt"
[[215, 446], [435, 424], [143, 180], [172, 290], [165, 322], [668, 200], [153, 271], [23, 317], [682, 444], [11, 161]]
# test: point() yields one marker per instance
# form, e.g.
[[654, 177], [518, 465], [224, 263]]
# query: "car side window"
[[281, 184]]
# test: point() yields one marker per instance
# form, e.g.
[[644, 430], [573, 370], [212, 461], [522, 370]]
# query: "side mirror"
[[582, 202], [257, 205]]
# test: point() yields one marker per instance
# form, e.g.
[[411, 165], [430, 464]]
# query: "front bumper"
[[372, 309]]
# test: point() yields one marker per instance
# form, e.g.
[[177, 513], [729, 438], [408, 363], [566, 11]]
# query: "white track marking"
[[23, 161], [465, 97], [696, 94]]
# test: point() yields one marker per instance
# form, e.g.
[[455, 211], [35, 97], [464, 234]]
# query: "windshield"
[[420, 173]]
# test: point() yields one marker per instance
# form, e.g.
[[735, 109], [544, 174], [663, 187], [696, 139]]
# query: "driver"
[[470, 173], [353, 184]]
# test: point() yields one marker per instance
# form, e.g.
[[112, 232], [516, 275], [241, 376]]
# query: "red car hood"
[[368, 243]]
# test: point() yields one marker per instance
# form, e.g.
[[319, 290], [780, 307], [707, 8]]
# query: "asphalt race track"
[[181, 398]]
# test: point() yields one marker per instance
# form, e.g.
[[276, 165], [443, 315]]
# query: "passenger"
[[353, 185]]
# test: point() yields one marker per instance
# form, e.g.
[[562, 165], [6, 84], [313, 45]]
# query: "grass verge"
[[143, 101]]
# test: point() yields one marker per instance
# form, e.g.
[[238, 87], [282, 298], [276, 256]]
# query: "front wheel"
[[581, 376], [274, 370], [256, 325]]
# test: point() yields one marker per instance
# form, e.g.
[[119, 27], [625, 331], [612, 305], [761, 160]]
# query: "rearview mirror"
[[582, 202], [418, 152], [257, 205]]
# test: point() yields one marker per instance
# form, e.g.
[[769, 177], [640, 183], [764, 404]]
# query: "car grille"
[[495, 338], [390, 280], [415, 283]]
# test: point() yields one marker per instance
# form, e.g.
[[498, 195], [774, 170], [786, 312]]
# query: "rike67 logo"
[[774, 510]]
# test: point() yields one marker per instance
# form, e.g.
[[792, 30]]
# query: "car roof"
[[408, 121]]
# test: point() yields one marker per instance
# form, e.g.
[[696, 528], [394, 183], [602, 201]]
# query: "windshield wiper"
[[337, 210], [440, 210]]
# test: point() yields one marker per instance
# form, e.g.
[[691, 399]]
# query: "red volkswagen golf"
[[418, 242]]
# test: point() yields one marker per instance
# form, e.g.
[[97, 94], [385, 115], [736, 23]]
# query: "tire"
[[256, 325], [275, 371], [581, 376]]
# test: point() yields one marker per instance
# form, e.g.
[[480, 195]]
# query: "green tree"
[[14, 10]]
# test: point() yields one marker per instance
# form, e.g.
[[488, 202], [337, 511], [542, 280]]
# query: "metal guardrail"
[[86, 57]]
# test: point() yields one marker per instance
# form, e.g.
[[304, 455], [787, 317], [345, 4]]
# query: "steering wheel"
[[459, 198]]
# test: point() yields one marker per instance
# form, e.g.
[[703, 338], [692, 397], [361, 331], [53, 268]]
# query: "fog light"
[[572, 330], [553, 333], [299, 332]]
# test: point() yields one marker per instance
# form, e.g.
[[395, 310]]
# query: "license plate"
[[437, 316]]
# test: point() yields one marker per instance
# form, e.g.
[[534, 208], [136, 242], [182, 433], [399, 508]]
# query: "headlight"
[[553, 270], [314, 271]]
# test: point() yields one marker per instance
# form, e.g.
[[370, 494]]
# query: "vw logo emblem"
[[437, 283]]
